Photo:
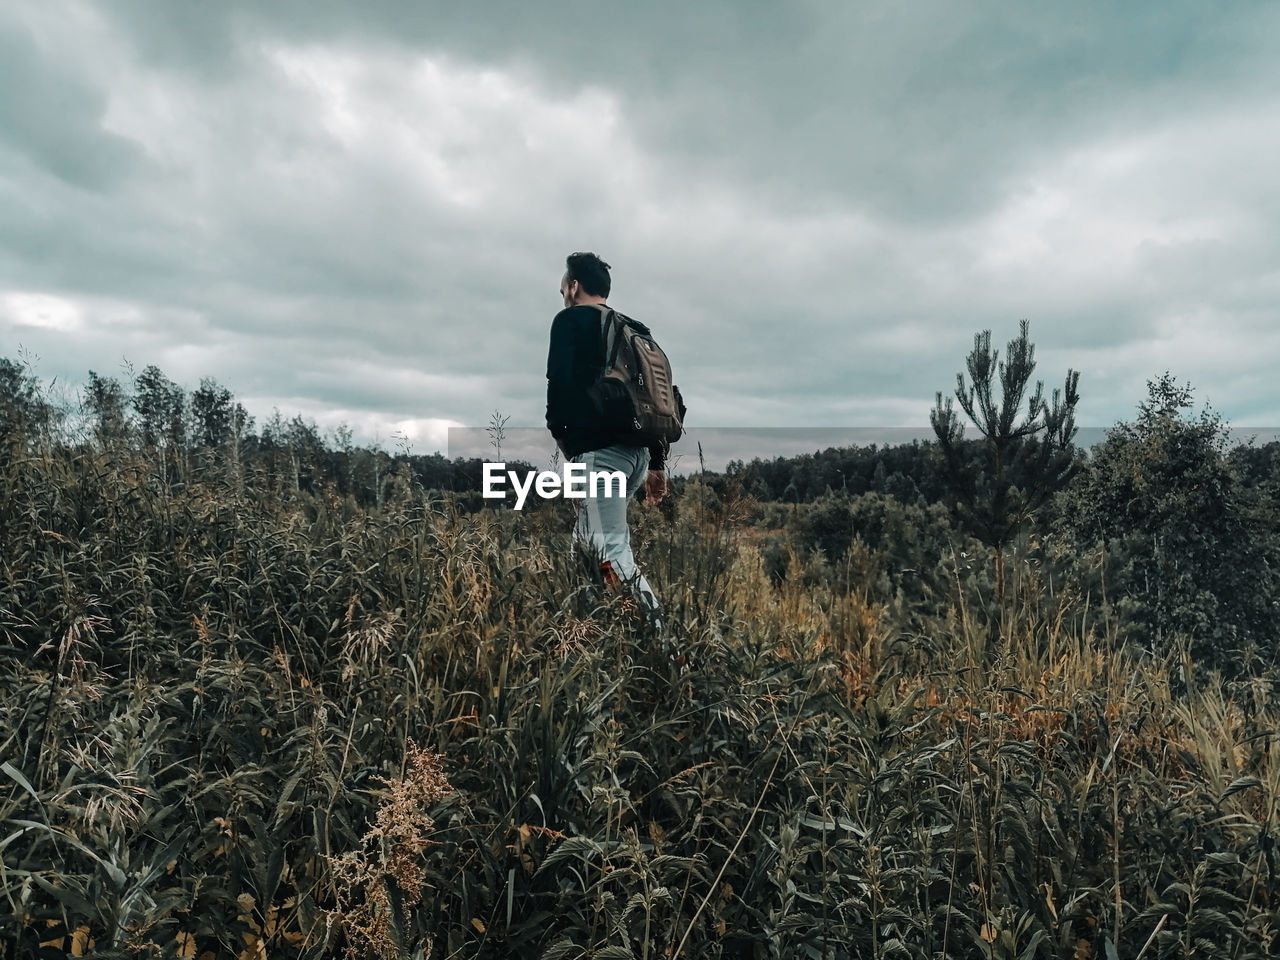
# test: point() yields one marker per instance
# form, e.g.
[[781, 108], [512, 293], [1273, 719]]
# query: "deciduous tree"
[[1187, 552]]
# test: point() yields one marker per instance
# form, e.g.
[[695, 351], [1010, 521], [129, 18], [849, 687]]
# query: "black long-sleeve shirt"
[[574, 361]]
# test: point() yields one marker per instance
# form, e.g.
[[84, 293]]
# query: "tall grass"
[[211, 696]]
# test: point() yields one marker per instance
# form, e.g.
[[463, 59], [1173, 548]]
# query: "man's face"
[[568, 290]]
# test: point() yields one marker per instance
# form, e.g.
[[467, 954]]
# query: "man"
[[574, 361]]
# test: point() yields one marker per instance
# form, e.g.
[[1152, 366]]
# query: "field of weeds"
[[241, 723]]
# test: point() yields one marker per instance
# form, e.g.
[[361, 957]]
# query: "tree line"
[[206, 434]]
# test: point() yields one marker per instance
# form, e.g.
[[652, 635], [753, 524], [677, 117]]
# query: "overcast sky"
[[360, 211]]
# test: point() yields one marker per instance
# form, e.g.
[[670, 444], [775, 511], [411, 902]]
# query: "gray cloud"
[[360, 212], [52, 120]]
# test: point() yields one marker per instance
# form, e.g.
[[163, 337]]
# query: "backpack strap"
[[611, 335]]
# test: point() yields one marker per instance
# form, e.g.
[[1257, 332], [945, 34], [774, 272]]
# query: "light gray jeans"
[[602, 521]]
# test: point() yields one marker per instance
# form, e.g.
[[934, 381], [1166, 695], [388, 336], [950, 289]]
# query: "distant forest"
[[192, 431]]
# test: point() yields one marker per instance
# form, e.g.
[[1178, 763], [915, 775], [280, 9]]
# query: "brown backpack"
[[634, 394]]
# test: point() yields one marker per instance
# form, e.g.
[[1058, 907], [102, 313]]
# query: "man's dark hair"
[[590, 271]]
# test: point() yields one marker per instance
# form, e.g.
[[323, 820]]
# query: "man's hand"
[[655, 486]]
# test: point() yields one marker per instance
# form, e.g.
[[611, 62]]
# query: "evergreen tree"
[[1024, 462]]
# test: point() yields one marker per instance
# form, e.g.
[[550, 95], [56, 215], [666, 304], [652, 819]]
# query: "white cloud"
[[41, 311], [482, 139]]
